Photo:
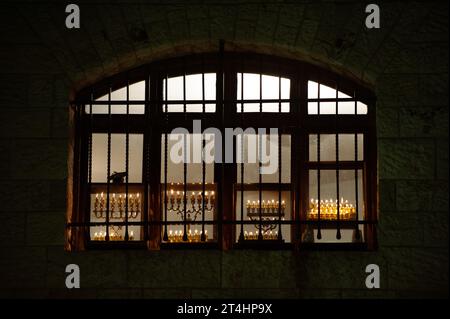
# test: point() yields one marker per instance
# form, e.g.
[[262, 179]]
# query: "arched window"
[[224, 151]]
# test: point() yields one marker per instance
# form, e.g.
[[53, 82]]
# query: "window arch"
[[137, 182]]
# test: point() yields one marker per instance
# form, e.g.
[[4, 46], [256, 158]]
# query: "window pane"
[[329, 107], [328, 147], [136, 93], [100, 156], [175, 156], [328, 206], [270, 90], [193, 92], [175, 186], [270, 160], [269, 212]]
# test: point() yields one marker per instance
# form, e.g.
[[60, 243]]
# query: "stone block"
[[396, 90], [406, 158], [14, 91], [23, 267], [442, 159], [258, 269], [387, 195], [401, 229], [13, 229], [435, 227], [174, 269], [337, 270], [422, 196], [98, 269], [417, 269], [45, 229], [24, 195], [424, 122], [40, 93], [387, 122], [434, 89], [40, 159], [5, 155], [25, 122]]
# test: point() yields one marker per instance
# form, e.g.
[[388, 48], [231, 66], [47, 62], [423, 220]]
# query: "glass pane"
[[100, 156], [329, 107], [117, 213], [347, 147], [270, 159], [270, 90], [270, 211], [193, 92], [136, 93], [175, 185], [175, 158], [328, 147]]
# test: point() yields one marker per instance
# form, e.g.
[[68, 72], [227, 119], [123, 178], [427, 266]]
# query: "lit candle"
[[131, 235]]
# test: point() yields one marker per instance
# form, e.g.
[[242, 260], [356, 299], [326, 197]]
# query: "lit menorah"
[[269, 211]]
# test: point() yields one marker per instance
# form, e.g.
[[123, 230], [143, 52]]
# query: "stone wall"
[[42, 65]]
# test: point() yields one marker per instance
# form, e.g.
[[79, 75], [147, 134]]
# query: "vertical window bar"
[[108, 173], [91, 125], [260, 236], [319, 233], [241, 235], [202, 236], [356, 179], [147, 148], [166, 128], [338, 231], [279, 162], [185, 235], [127, 151]]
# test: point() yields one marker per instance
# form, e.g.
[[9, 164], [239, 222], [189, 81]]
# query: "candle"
[[131, 235]]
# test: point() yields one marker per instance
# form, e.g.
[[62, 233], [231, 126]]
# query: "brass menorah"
[[117, 206]]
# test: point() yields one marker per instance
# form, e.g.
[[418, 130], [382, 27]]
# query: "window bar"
[[241, 235], [319, 233], [203, 236], [356, 179], [279, 163], [165, 235], [127, 152], [185, 235], [147, 148], [260, 236], [108, 173], [91, 125], [338, 231]]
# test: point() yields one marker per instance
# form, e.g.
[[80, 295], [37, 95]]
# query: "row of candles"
[[101, 236], [266, 235], [269, 206], [329, 210], [117, 204], [177, 236], [177, 197]]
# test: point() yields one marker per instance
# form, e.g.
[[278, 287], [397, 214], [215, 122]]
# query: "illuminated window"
[[138, 183]]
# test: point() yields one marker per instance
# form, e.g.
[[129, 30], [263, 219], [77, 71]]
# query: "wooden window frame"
[[296, 122]]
